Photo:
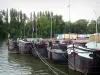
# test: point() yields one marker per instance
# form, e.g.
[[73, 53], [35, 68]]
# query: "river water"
[[17, 64]]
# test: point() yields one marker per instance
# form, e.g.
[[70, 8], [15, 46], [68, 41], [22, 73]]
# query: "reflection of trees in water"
[[3, 44], [28, 64], [3, 51], [18, 66]]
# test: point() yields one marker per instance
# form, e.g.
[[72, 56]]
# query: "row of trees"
[[17, 24], [3, 23]]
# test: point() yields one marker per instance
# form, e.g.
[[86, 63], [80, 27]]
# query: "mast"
[[31, 23], [36, 28], [35, 25], [51, 25], [69, 19], [20, 21], [7, 22], [24, 25], [97, 34], [19, 36]]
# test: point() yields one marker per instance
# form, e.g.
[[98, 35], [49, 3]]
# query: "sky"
[[79, 9]]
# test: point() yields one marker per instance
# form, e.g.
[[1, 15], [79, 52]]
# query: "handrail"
[[86, 49]]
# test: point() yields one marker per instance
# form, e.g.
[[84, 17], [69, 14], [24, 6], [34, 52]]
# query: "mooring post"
[[74, 57]]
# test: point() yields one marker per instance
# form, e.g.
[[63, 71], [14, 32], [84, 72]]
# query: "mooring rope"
[[56, 68], [46, 64], [70, 62], [73, 64], [50, 65], [98, 55]]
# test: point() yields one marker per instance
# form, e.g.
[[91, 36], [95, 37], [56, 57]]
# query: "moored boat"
[[85, 59], [13, 46], [41, 49], [24, 47], [57, 52]]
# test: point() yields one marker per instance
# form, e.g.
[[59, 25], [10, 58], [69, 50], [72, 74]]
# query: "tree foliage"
[[39, 24]]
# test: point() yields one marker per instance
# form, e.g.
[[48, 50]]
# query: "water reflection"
[[27, 64], [17, 64]]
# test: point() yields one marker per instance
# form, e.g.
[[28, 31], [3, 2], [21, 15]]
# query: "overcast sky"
[[79, 9]]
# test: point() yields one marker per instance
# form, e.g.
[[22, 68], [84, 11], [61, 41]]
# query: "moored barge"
[[57, 51], [13, 46], [40, 48], [85, 59], [24, 47]]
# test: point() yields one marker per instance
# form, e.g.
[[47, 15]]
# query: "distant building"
[[94, 37], [71, 36]]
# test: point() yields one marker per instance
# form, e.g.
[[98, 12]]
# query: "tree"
[[92, 27], [81, 26], [3, 23], [20, 25]]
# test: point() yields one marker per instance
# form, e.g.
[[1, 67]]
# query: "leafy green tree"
[[3, 23], [92, 27], [20, 26], [81, 26]]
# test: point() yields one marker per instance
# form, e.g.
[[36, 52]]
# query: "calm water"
[[16, 64]]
